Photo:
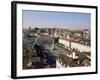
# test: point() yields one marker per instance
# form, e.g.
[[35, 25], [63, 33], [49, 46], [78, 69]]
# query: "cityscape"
[[57, 46]]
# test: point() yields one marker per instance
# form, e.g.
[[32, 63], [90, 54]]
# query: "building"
[[65, 61], [75, 45]]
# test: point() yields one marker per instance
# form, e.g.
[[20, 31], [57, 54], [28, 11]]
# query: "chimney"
[[73, 55]]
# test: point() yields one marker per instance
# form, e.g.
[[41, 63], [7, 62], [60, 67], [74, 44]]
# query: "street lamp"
[[53, 46], [69, 34]]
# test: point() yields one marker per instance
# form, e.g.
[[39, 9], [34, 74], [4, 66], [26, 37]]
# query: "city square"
[[58, 45]]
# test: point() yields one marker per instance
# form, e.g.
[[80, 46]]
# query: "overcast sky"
[[44, 19]]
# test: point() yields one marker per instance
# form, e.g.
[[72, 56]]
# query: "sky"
[[51, 19]]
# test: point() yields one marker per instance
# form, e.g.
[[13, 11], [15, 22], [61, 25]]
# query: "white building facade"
[[75, 45]]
